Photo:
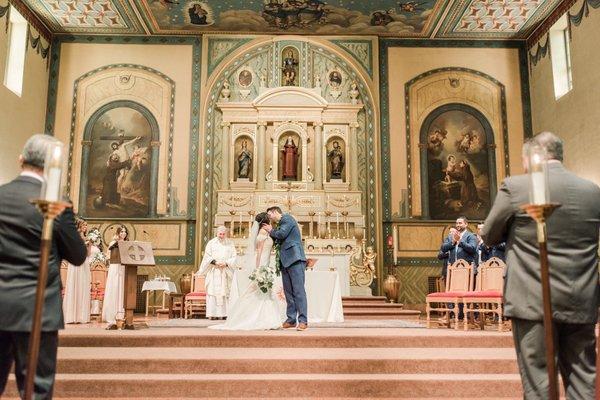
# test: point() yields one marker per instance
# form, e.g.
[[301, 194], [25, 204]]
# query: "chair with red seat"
[[459, 281], [488, 294], [195, 301]]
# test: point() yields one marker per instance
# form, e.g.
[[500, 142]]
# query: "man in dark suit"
[[485, 252], [460, 244], [444, 256], [572, 238], [20, 231], [292, 265]]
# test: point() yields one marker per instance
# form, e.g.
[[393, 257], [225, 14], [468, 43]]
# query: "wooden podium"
[[133, 254]]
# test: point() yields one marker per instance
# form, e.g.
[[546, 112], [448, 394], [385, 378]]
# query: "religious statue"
[[244, 161], [290, 69], [336, 160], [290, 160], [369, 257], [353, 92], [225, 92]]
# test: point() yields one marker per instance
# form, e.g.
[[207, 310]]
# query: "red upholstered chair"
[[459, 281], [488, 295], [195, 301]]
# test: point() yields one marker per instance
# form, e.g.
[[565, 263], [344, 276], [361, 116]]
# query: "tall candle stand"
[[540, 213], [250, 221], [345, 219], [328, 223], [311, 214]]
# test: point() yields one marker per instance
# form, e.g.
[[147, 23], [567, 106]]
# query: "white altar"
[[323, 294]]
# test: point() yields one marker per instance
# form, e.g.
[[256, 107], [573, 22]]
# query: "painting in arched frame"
[[457, 163], [119, 163]]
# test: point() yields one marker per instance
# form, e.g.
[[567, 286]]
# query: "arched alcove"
[[119, 165], [458, 164]]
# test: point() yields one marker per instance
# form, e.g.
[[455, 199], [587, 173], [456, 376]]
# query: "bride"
[[255, 309]]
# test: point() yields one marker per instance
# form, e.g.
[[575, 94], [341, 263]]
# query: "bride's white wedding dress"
[[255, 310]]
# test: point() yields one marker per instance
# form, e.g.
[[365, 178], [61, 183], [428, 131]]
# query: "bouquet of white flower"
[[94, 237], [264, 277]]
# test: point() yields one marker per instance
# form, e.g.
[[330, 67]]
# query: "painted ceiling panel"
[[468, 19]]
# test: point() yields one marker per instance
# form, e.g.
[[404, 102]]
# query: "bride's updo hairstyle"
[[262, 218]]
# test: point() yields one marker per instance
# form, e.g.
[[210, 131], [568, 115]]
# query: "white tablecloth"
[[340, 261], [323, 294], [167, 286]]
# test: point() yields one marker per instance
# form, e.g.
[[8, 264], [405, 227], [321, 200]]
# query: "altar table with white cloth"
[[151, 286], [323, 293]]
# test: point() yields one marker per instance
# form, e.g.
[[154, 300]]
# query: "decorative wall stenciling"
[[540, 51], [576, 18]]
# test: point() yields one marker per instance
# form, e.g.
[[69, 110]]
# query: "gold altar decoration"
[[362, 265]]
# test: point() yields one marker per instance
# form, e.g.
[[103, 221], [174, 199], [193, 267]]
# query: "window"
[[17, 37], [560, 53]]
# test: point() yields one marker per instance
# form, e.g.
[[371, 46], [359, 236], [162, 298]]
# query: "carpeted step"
[[382, 313], [319, 338], [274, 385], [374, 306], [376, 299], [94, 360]]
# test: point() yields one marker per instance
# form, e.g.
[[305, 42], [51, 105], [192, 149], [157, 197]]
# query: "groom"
[[292, 265]]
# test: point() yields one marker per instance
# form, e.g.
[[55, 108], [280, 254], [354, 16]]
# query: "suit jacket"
[[488, 252], [288, 235], [444, 256], [572, 240], [20, 231], [466, 249]]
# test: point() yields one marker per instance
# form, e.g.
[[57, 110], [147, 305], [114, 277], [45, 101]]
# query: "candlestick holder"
[[540, 213], [311, 214], [345, 222], [328, 223], [50, 210]]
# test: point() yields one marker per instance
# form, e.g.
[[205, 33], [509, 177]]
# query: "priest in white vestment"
[[217, 266]]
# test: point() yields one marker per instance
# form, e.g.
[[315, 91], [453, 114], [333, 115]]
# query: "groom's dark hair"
[[275, 208]]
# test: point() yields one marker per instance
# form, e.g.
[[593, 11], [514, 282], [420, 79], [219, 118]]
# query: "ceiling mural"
[[468, 19]]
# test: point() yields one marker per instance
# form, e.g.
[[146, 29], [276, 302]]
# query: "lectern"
[[133, 254]]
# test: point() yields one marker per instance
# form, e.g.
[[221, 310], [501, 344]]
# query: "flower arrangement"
[[264, 278], [94, 237], [99, 258]]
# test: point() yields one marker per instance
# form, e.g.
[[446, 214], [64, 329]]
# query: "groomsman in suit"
[[292, 263], [572, 238], [460, 243], [485, 252], [20, 231]]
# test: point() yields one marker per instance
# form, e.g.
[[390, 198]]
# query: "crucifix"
[[289, 201]]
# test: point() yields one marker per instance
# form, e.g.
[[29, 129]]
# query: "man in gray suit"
[[292, 263], [573, 259], [20, 231]]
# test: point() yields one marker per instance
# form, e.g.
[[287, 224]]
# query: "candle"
[[241, 222], [538, 188], [52, 173]]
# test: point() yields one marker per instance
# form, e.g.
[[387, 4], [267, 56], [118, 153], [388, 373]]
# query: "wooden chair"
[[459, 281], [488, 294], [195, 301]]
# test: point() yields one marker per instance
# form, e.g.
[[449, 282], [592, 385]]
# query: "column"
[[260, 157], [353, 157], [318, 167], [225, 146]]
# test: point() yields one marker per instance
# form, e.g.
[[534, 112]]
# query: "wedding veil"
[[249, 259]]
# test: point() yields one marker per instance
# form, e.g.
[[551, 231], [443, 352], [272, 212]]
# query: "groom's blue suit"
[[293, 264]]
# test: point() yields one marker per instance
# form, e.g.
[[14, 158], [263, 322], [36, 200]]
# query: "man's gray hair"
[[549, 142], [35, 149]]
